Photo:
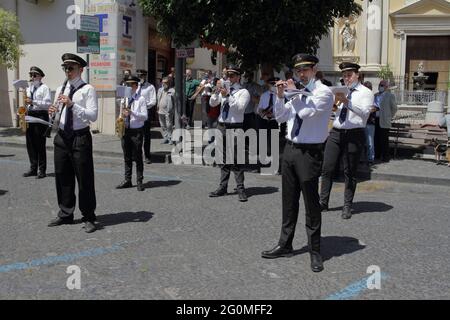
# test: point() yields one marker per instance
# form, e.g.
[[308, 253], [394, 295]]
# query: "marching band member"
[[73, 145], [38, 101], [347, 136], [147, 90], [135, 115], [233, 102], [307, 129]]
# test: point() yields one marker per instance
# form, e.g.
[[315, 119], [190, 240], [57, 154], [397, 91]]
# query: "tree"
[[266, 32], [10, 39]]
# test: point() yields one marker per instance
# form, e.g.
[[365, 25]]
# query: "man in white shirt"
[[38, 101], [147, 90], [347, 137], [73, 145], [233, 101], [135, 114], [307, 129], [265, 119]]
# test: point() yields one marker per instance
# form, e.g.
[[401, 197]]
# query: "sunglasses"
[[67, 68], [34, 75]]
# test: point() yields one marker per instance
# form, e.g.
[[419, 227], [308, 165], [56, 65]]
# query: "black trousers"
[[147, 137], [381, 142], [269, 125], [36, 141], [301, 167], [226, 168], [190, 105], [132, 151], [349, 144], [73, 159]]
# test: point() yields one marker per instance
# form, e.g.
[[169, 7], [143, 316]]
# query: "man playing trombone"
[[307, 118], [73, 145]]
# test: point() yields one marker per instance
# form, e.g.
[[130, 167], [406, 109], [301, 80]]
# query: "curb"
[[159, 157]]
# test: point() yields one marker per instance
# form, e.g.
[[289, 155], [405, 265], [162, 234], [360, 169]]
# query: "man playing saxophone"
[[134, 114], [37, 100]]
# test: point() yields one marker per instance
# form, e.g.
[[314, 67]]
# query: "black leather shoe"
[[41, 175], [277, 252], [218, 193], [346, 213], [89, 227], [59, 221], [323, 207], [148, 161], [242, 196], [30, 173], [316, 262], [124, 184], [140, 186]]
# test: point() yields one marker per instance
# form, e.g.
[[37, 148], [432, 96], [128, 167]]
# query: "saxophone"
[[22, 112], [120, 121]]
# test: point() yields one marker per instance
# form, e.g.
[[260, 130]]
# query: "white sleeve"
[[240, 101], [90, 112], [282, 110], [362, 108], [140, 113], [315, 105], [215, 100]]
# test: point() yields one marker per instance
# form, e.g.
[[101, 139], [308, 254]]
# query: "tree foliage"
[[10, 39], [261, 31]]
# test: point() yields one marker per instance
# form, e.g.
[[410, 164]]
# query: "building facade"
[[409, 36]]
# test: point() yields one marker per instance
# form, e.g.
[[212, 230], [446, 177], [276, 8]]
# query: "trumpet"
[[22, 112], [54, 121], [120, 121]]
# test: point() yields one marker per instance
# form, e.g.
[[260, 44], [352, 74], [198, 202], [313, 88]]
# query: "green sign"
[[88, 36], [88, 42]]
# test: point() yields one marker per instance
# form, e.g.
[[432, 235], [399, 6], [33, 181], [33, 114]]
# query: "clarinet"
[[54, 122]]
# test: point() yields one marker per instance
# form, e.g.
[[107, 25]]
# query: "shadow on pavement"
[[2, 192], [158, 184], [123, 217], [367, 207], [256, 191], [9, 132], [334, 246], [6, 155]]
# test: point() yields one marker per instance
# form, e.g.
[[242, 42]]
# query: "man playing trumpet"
[[307, 129]]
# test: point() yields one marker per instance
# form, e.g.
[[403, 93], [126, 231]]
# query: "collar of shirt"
[[77, 84], [236, 86]]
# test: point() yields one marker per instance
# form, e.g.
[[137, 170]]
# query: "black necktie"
[[298, 121], [226, 107], [127, 119], [68, 123], [344, 111]]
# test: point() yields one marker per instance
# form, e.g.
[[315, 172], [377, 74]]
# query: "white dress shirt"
[[362, 100], [264, 102], [42, 98], [85, 108], [147, 90], [138, 111], [237, 100], [315, 112]]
